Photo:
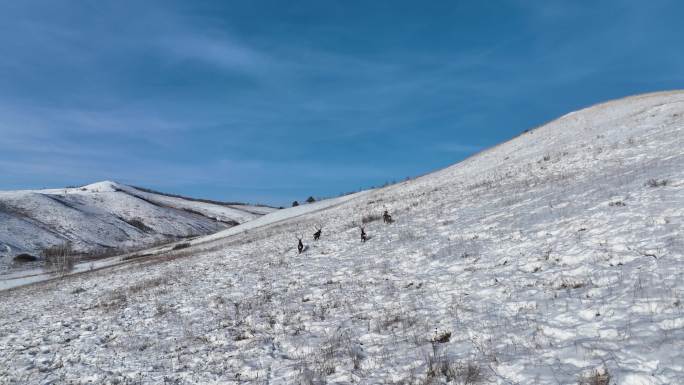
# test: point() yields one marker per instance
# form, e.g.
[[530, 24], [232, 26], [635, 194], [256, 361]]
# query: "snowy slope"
[[23, 277], [554, 258], [104, 215]]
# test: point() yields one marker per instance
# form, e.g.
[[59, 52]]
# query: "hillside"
[[106, 216], [553, 258]]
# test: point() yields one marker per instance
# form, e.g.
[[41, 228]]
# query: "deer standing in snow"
[[317, 234], [386, 217], [364, 237], [300, 245]]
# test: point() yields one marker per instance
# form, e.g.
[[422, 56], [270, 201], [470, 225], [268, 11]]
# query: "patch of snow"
[[511, 267]]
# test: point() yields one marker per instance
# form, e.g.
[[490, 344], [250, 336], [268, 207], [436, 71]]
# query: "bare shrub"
[[78, 290], [442, 338], [469, 373], [180, 246], [371, 218], [306, 376], [118, 298], [325, 360], [138, 224], [136, 256], [569, 284], [106, 252], [485, 183], [59, 258], [466, 373], [460, 247], [596, 377], [112, 301], [356, 355], [57, 250], [388, 320], [147, 284], [101, 253], [657, 183]]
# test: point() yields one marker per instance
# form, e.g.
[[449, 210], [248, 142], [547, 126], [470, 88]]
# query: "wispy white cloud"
[[173, 94], [222, 52]]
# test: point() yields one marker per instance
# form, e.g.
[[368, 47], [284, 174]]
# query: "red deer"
[[300, 245], [317, 234], [386, 217]]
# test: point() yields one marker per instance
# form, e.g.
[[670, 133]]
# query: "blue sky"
[[271, 101]]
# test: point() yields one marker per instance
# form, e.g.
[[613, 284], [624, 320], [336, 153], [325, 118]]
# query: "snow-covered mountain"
[[107, 215], [554, 258]]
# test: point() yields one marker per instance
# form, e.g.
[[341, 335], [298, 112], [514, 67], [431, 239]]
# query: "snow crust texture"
[[554, 258]]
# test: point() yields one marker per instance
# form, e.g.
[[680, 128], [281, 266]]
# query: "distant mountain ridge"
[[108, 215], [203, 200]]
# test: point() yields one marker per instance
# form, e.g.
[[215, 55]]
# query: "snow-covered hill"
[[106, 215], [554, 258]]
